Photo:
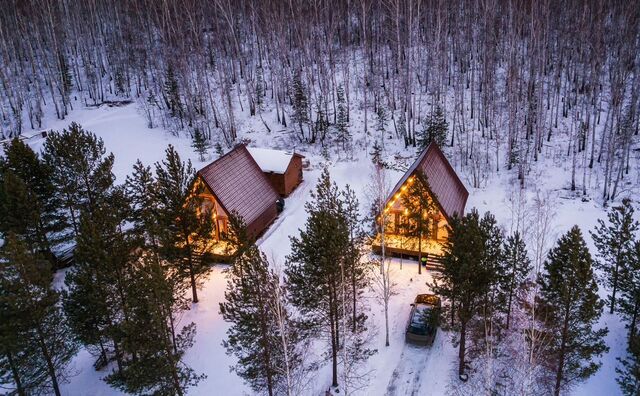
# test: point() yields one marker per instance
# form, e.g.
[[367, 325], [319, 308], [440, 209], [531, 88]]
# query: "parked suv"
[[423, 320]]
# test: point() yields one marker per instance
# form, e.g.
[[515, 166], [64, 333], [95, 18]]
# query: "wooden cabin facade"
[[234, 183], [448, 194], [283, 169]]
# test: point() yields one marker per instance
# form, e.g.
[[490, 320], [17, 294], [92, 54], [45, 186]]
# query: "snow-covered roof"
[[271, 160]]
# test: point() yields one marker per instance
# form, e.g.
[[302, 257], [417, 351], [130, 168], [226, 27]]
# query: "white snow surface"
[[398, 369], [276, 161]]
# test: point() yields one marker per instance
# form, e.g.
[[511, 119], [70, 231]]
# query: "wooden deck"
[[397, 245]]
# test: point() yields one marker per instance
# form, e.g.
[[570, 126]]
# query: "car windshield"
[[422, 320]]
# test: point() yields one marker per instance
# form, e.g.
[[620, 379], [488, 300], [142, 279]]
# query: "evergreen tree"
[[629, 369], [434, 129], [156, 299], [316, 267], [172, 94], [81, 171], [96, 299], [39, 346], [300, 114], [27, 203], [486, 329], [219, 149], [420, 210], [200, 143], [65, 75], [262, 335], [402, 128], [342, 120], [465, 279], [376, 155], [570, 307], [517, 266], [614, 241], [185, 230], [381, 122], [260, 89], [354, 268], [149, 336], [630, 292], [321, 124]]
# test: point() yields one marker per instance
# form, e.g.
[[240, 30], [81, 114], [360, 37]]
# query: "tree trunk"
[[49, 361], [462, 347], [15, 375]]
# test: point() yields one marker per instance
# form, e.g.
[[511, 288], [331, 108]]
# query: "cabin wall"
[[287, 182], [293, 175], [277, 180]]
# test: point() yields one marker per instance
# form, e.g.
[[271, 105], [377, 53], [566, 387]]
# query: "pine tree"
[[629, 369], [96, 299], [260, 89], [27, 203], [256, 306], [487, 328], [156, 299], [376, 155], [614, 242], [342, 120], [354, 268], [65, 75], [81, 171], [517, 267], [40, 346], [184, 232], [149, 336], [200, 143], [464, 279], [434, 129], [219, 149], [313, 267], [300, 114], [570, 307], [630, 292], [322, 123], [420, 209], [381, 122], [172, 94], [402, 128]]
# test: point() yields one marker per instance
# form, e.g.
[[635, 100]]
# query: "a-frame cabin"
[[447, 192], [234, 183]]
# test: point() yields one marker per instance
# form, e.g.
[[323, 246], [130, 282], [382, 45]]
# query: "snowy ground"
[[395, 370]]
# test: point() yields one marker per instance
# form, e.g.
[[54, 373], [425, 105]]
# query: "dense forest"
[[517, 80], [501, 85]]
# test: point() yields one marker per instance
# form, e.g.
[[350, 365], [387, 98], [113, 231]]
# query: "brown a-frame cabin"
[[234, 183], [447, 191]]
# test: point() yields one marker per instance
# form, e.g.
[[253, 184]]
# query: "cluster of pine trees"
[[518, 328], [617, 241], [137, 248], [323, 282]]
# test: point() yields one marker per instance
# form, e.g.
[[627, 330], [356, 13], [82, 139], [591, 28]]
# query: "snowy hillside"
[[397, 369]]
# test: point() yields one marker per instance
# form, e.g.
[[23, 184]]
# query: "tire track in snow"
[[406, 376], [415, 361]]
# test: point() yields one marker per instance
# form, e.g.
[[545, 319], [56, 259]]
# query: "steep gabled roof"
[[238, 183], [450, 194]]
